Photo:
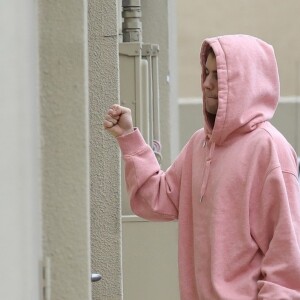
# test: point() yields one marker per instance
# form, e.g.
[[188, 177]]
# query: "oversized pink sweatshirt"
[[233, 188]]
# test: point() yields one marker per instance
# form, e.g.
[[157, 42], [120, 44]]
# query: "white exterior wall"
[[20, 221]]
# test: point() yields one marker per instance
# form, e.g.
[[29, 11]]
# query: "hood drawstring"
[[206, 167]]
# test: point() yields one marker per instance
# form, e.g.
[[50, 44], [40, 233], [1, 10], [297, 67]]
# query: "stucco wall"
[[104, 152], [65, 163]]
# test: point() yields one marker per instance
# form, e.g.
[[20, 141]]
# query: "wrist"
[[126, 132]]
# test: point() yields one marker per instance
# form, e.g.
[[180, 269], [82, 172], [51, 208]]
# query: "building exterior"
[[63, 212], [60, 172]]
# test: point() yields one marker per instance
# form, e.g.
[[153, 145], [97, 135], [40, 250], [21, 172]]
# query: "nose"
[[208, 83]]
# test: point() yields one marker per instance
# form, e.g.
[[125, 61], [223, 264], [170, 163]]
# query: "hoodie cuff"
[[131, 143]]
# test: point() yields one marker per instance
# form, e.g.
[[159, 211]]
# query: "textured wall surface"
[[65, 163], [104, 153]]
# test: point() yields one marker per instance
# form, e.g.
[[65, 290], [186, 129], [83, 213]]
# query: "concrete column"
[[65, 155], [20, 221], [104, 153]]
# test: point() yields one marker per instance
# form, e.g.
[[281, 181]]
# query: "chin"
[[211, 111]]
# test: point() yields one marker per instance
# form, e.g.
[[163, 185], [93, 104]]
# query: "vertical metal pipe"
[[156, 104], [147, 55], [132, 25], [156, 129]]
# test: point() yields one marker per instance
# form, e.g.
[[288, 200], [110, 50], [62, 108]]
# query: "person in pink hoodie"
[[233, 188]]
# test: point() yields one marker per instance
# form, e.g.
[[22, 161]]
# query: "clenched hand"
[[118, 120]]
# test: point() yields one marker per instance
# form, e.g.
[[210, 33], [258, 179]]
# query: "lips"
[[211, 96]]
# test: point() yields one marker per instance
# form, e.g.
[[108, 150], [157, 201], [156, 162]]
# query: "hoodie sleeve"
[[276, 229], [153, 193]]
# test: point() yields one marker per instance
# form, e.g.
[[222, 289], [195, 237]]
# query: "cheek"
[[215, 83]]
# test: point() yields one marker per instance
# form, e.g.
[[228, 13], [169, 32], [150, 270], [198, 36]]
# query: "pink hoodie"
[[233, 188]]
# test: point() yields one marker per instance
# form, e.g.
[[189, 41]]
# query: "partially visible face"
[[210, 85]]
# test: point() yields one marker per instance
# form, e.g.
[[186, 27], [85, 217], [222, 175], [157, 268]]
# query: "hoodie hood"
[[248, 84]]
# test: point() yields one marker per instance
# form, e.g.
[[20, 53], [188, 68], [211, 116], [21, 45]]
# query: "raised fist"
[[118, 120]]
